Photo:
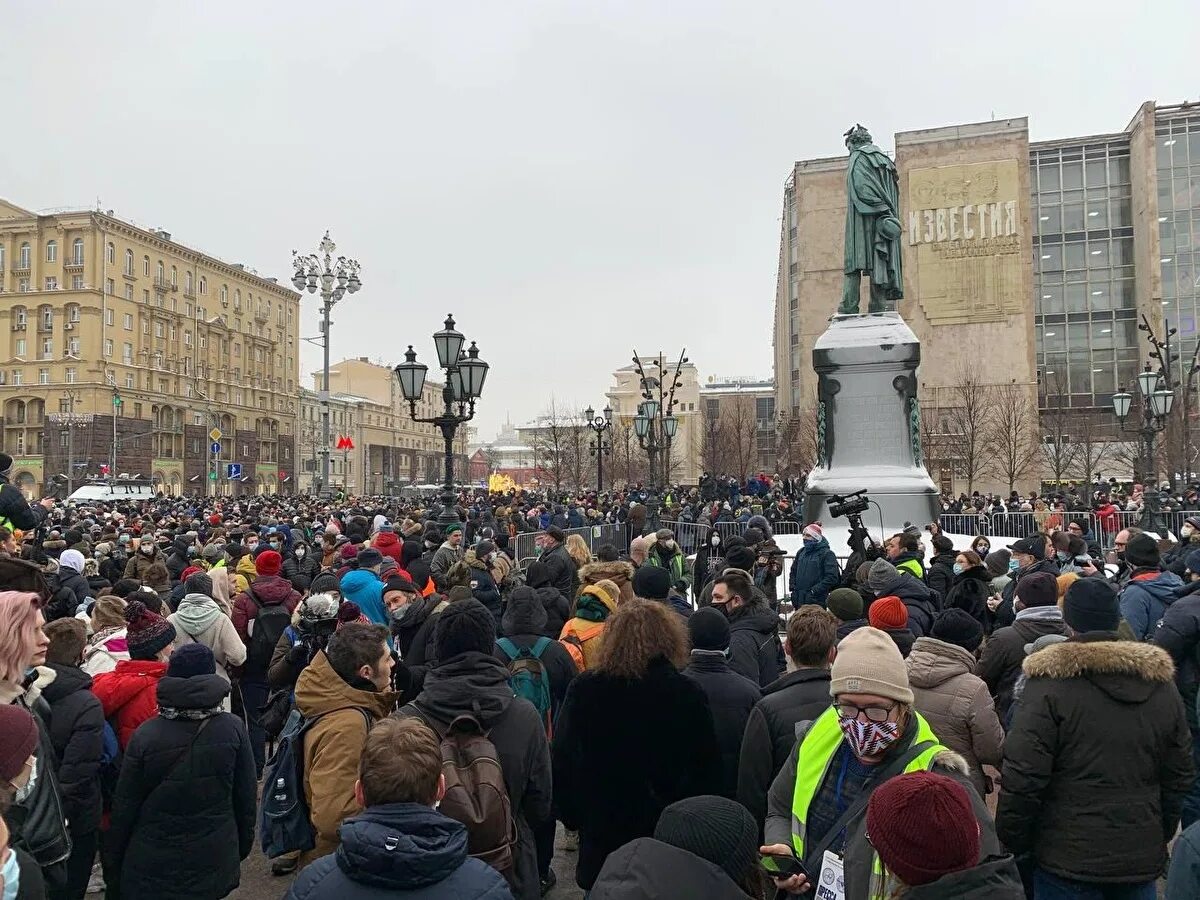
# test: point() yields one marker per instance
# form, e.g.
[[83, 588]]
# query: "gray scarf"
[[191, 715], [1040, 614]]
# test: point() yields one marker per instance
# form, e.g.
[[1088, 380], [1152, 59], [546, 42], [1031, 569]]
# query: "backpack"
[[266, 628], [284, 822], [110, 763], [574, 638], [527, 676], [476, 794]]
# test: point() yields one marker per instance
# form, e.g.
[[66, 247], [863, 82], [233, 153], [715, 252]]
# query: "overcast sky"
[[571, 180]]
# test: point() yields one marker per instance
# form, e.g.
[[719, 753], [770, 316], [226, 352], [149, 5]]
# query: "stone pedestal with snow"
[[869, 423]]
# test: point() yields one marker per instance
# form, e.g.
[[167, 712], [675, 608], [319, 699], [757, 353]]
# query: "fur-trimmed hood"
[[953, 761], [1125, 670], [617, 572]]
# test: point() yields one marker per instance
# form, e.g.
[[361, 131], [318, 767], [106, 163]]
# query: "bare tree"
[[969, 420], [492, 457], [629, 460], [1058, 421], [550, 444], [798, 449], [576, 460], [1093, 447], [739, 426], [1011, 437], [712, 446]]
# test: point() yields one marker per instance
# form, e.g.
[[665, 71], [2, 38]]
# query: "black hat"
[[1193, 562], [484, 548], [1142, 552], [651, 583], [1031, 546], [1091, 605], [198, 583], [323, 583], [753, 536], [6, 463], [399, 583], [369, 557], [739, 557], [997, 562], [959, 627], [524, 613], [462, 627], [557, 533], [716, 829], [1037, 589], [190, 660], [708, 629], [942, 544]]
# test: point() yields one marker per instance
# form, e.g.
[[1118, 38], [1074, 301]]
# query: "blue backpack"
[[285, 825], [527, 676]]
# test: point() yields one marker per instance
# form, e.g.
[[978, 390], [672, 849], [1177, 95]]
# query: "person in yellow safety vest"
[[15, 511], [816, 808]]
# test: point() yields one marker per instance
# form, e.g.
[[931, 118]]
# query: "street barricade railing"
[[525, 546]]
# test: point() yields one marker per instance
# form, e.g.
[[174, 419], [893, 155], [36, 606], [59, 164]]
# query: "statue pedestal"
[[869, 422]]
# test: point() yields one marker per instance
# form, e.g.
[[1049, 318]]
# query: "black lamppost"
[[598, 447], [1156, 402], [655, 424], [465, 374]]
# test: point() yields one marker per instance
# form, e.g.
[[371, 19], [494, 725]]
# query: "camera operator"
[[15, 510]]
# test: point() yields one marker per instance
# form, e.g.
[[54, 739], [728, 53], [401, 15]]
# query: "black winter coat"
[[77, 732], [560, 569], [414, 640], [903, 638], [483, 588], [798, 696], [730, 698], [921, 602], [19, 512], [475, 683], [524, 632], [558, 610], [37, 824], [75, 583], [646, 869], [309, 567], [1000, 661], [400, 850], [1179, 634], [940, 574], [1097, 761], [970, 592], [183, 817], [996, 878], [625, 749], [1006, 613], [755, 650]]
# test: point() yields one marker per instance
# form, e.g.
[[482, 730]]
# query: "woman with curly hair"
[[578, 550], [633, 736]]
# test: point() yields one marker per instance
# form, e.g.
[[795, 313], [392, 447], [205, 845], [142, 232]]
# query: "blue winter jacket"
[[400, 850], [814, 574], [1144, 600], [364, 588]]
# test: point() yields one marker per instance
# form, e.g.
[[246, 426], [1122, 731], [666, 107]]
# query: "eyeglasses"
[[876, 714]]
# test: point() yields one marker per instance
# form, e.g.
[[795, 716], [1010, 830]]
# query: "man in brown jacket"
[[345, 687]]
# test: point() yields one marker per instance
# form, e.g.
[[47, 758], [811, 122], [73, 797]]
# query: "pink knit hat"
[[813, 530]]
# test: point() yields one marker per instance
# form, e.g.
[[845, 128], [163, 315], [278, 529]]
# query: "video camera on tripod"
[[851, 507]]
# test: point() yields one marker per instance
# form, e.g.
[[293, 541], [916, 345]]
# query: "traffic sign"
[[215, 434], [234, 470], [215, 448]]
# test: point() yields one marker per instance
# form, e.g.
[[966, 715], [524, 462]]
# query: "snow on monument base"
[[868, 423]]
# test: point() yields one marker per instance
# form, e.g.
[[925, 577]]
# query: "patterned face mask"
[[869, 738]]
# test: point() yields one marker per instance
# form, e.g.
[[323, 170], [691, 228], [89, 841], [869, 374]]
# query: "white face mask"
[[1186, 531], [716, 540]]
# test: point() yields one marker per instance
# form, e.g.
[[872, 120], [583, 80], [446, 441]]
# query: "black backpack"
[[266, 628]]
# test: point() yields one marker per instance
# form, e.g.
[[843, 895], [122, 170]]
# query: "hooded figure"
[[199, 620], [814, 571], [70, 576]]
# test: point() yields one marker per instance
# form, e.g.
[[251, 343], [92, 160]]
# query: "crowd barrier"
[[1103, 529], [525, 545]]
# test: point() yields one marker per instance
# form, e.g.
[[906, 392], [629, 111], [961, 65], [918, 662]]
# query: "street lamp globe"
[[671, 424], [589, 413], [473, 372], [641, 424], [1147, 381], [1122, 401], [650, 408], [607, 413], [449, 344], [411, 375], [1161, 402]]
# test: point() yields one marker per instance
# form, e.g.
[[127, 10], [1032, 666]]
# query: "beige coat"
[[956, 703], [619, 573]]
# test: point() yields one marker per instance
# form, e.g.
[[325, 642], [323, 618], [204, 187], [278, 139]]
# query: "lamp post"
[[1156, 402], [598, 447], [465, 373], [655, 425], [335, 278]]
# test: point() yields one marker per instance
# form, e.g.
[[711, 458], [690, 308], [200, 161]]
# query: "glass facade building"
[[1177, 152]]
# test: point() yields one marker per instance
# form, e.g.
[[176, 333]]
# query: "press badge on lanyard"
[[832, 883]]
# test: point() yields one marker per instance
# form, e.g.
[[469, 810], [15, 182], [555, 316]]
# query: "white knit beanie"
[[868, 662]]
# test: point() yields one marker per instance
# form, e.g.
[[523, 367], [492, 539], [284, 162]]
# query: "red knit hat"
[[189, 572], [888, 612], [268, 563], [923, 827]]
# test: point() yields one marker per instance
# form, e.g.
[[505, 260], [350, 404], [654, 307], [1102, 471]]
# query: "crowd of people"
[[385, 701]]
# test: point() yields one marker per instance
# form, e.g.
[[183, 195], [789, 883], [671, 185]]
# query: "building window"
[[146, 297], [108, 347], [22, 285], [127, 321], [47, 317], [71, 373], [77, 252], [174, 277], [158, 329], [20, 314], [21, 347], [73, 313], [187, 339], [110, 254], [18, 376], [161, 273], [110, 286], [51, 283], [51, 251], [129, 263], [187, 282], [43, 376], [127, 352], [47, 348], [203, 285], [129, 383], [129, 292], [146, 266], [77, 282], [24, 256], [73, 347]]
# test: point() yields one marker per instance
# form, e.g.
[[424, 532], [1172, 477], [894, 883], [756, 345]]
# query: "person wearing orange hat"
[[890, 615]]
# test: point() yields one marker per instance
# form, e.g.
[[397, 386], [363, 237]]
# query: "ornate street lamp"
[[1156, 403], [655, 425], [465, 375], [335, 278], [598, 447]]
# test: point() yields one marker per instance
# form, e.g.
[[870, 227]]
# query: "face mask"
[[274, 545], [958, 568], [1013, 565], [716, 540], [23, 793], [1063, 556], [1186, 531], [1121, 555], [300, 553], [869, 738], [722, 608], [148, 550], [11, 874], [983, 550], [252, 547]]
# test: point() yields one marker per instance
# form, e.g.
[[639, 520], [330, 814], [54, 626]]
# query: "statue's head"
[[857, 137]]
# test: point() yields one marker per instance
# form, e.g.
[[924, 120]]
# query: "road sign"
[[215, 434], [234, 470], [215, 448]]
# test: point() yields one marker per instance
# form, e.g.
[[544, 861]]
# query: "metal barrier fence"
[[525, 546], [691, 535], [1103, 529]]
